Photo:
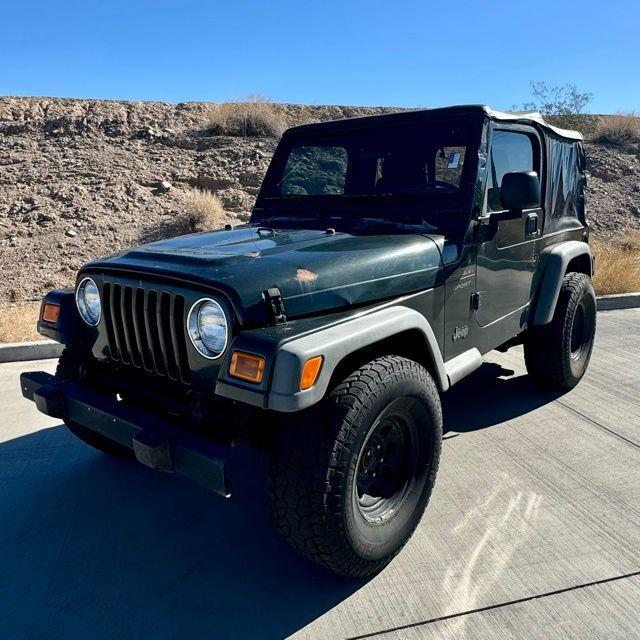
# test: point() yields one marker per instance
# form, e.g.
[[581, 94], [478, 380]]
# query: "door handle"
[[531, 224]]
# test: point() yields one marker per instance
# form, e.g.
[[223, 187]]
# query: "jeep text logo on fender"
[[460, 333]]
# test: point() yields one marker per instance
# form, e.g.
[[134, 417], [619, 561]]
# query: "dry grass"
[[254, 117], [617, 264], [619, 131], [585, 123], [18, 322], [204, 211]]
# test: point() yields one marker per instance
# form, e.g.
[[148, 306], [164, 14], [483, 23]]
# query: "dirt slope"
[[81, 179]]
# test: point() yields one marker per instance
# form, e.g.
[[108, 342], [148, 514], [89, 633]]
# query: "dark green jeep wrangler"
[[384, 256]]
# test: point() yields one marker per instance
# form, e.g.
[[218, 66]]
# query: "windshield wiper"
[[295, 218], [409, 224]]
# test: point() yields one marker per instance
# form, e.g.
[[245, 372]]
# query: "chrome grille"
[[145, 329]]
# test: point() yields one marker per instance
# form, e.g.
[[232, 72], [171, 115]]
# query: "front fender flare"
[[334, 344]]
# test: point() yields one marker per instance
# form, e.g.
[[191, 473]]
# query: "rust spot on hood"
[[305, 276]]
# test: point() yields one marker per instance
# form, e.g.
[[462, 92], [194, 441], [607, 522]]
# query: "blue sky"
[[351, 52]]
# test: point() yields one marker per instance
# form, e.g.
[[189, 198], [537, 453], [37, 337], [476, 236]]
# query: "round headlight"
[[88, 301], [207, 328]]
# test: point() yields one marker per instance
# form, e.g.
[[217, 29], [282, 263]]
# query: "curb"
[[45, 349], [618, 301], [38, 350]]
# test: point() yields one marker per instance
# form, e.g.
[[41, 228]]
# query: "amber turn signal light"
[[51, 312], [247, 366], [310, 372]]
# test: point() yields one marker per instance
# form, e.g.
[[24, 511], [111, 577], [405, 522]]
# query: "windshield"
[[392, 171], [426, 159]]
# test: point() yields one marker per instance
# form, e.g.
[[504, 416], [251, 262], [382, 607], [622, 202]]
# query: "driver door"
[[506, 247]]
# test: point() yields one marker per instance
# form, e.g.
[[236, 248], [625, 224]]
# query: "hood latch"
[[273, 298]]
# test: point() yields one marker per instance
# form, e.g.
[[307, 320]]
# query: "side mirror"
[[520, 190]]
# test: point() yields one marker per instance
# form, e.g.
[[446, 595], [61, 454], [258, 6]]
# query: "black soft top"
[[417, 115]]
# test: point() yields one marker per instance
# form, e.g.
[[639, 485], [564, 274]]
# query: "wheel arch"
[[555, 262], [411, 344], [581, 264], [395, 330]]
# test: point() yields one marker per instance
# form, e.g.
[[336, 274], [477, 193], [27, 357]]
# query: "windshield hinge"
[[273, 298]]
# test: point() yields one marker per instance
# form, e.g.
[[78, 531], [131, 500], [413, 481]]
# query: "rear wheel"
[[69, 369], [351, 477], [557, 355]]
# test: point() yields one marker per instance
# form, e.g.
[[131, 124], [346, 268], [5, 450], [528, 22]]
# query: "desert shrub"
[[254, 117], [204, 211], [558, 100], [617, 264], [562, 105], [619, 130]]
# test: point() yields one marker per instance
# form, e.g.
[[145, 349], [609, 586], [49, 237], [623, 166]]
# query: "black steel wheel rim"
[[387, 461]]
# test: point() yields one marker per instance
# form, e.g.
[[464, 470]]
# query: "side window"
[[315, 171], [510, 151]]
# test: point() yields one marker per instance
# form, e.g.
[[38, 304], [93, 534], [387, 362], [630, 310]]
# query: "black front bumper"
[[157, 443]]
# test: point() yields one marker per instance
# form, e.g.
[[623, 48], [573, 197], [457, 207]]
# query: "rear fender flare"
[[554, 263]]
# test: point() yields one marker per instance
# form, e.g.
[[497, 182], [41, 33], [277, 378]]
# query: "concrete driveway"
[[533, 530]]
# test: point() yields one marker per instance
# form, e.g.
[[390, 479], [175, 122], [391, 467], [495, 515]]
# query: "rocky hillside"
[[81, 179]]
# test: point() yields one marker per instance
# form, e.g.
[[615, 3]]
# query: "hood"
[[315, 271]]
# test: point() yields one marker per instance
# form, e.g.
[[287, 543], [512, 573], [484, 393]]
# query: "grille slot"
[[145, 329]]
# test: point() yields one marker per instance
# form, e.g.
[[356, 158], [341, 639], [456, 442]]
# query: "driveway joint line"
[[499, 605], [597, 424]]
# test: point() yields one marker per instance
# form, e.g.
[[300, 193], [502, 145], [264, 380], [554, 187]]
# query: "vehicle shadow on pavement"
[[489, 396], [93, 546]]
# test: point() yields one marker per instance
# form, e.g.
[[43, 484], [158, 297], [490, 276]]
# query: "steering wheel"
[[447, 186]]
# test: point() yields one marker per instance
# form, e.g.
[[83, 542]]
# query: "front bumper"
[[157, 443]]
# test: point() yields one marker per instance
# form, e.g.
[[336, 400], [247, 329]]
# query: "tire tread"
[[546, 348], [304, 475]]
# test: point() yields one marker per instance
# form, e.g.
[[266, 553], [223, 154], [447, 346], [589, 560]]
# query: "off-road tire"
[[69, 369], [313, 477], [557, 355]]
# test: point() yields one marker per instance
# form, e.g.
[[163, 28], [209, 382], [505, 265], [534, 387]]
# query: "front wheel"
[[351, 477], [557, 355]]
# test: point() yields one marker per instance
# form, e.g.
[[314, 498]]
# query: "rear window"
[[449, 165]]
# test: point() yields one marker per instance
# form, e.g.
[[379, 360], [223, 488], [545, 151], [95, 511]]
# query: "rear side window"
[[315, 171], [567, 182], [510, 151]]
